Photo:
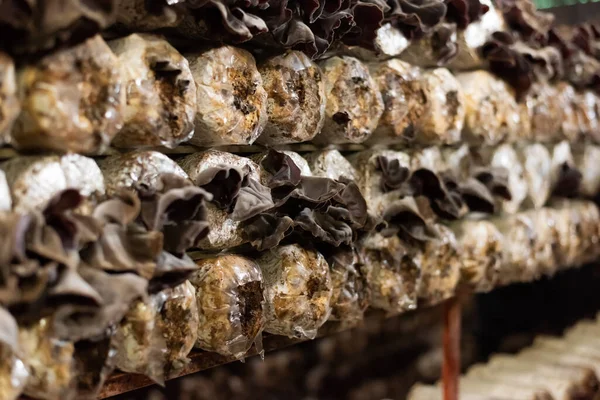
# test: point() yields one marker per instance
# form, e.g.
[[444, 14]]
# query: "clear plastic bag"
[[140, 341], [156, 336], [547, 239], [231, 99], [481, 253], [440, 267], [520, 264], [52, 373], [351, 292], [537, 165], [395, 275], [229, 292], [161, 96], [298, 291], [354, 103], [296, 104], [179, 319], [13, 371]]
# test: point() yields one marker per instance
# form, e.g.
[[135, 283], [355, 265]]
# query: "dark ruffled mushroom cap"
[[309, 26], [234, 190], [405, 219], [443, 43], [39, 26], [465, 12], [569, 181], [495, 179], [329, 211], [508, 63], [237, 20], [174, 208], [578, 47], [523, 17], [87, 270], [39, 258], [415, 18], [421, 182]]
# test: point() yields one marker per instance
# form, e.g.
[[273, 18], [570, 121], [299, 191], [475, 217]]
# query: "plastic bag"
[[49, 361], [298, 291], [229, 292], [395, 275]]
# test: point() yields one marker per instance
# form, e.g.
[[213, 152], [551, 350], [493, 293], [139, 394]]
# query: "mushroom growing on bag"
[[34, 180], [140, 167], [238, 194]]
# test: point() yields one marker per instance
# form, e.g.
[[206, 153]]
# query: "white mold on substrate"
[[140, 342], [428, 158], [224, 231], [577, 223], [33, 180], [389, 42], [573, 112], [588, 114], [296, 103], [72, 100], [231, 100], [161, 95], [298, 291], [140, 167], [440, 267], [229, 293], [351, 293], [354, 104], [547, 241]]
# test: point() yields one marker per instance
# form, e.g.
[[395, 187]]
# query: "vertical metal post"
[[451, 344]]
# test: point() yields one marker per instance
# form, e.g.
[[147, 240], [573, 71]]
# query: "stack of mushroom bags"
[[552, 368], [155, 196]]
